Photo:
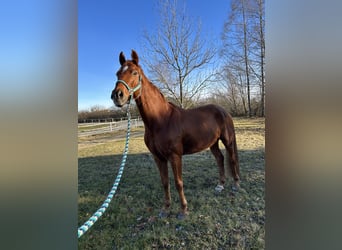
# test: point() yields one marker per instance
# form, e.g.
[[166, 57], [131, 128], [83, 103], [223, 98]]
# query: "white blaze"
[[124, 69]]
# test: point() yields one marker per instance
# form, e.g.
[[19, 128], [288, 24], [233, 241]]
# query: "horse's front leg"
[[164, 175], [176, 163]]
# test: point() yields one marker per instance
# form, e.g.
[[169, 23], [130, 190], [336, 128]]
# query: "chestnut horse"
[[171, 131]]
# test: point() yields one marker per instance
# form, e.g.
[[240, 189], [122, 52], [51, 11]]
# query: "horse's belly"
[[193, 145]]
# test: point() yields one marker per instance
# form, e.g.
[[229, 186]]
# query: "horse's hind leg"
[[215, 150]]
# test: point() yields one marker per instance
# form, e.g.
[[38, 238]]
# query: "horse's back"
[[209, 112]]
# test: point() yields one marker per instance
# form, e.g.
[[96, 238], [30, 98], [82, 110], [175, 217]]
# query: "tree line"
[[99, 113], [191, 70]]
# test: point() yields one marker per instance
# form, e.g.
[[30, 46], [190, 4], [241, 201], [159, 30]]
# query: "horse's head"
[[128, 84]]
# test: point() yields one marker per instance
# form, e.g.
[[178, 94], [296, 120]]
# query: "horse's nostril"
[[119, 94]]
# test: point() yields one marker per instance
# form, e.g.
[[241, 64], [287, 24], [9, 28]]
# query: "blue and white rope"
[[91, 221]]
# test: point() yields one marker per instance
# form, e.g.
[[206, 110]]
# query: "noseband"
[[131, 90]]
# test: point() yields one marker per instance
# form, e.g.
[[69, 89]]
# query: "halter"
[[131, 90]]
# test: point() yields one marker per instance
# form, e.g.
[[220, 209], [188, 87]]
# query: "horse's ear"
[[122, 58], [135, 57]]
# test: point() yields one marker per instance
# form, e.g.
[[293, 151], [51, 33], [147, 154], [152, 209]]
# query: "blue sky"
[[105, 28]]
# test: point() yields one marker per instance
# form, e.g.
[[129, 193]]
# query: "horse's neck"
[[153, 107]]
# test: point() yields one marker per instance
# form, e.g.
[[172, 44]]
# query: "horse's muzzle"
[[119, 98]]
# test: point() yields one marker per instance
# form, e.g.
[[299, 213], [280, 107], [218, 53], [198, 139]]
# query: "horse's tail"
[[236, 156], [232, 153]]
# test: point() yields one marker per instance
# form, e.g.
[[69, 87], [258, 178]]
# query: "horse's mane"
[[156, 89]]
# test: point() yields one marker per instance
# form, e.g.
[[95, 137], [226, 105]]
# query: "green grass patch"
[[216, 221]]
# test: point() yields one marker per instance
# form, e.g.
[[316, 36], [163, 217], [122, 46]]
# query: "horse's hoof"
[[164, 214], [235, 188], [219, 188], [181, 216]]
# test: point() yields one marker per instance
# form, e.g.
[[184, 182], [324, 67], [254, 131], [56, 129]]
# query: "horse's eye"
[[135, 72]]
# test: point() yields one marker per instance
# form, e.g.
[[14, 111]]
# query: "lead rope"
[[91, 221]]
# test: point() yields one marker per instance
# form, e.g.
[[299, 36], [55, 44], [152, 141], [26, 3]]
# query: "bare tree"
[[245, 54], [261, 42], [177, 55], [257, 49], [244, 47], [232, 91], [235, 90]]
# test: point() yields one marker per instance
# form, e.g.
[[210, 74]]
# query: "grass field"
[[216, 221]]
